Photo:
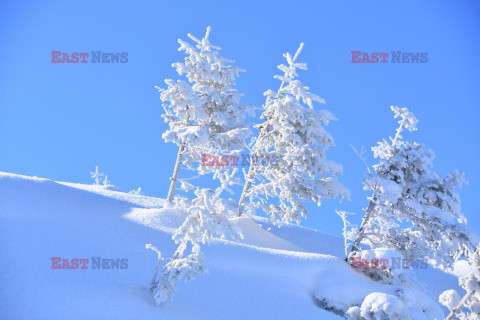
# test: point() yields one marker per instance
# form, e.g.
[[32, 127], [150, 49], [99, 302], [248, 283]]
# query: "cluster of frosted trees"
[[97, 177], [412, 210]]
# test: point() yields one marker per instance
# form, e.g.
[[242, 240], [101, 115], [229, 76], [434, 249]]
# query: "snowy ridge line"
[[294, 225], [139, 200], [15, 176], [279, 252]]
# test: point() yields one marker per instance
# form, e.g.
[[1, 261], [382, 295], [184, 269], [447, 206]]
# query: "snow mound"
[[256, 236]]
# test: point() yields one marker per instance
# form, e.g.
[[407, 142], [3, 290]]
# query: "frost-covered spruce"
[[412, 209], [291, 146], [467, 307], [106, 182], [207, 218], [96, 175], [203, 113], [179, 268]]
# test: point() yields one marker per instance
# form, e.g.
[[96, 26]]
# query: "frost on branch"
[[208, 214], [349, 230], [179, 268], [294, 135], [159, 259]]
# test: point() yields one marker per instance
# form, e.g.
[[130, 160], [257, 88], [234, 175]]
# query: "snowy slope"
[[272, 274]]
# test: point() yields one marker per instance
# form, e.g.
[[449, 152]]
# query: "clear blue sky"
[[60, 120]]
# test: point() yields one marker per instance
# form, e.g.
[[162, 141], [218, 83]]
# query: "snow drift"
[[273, 273]]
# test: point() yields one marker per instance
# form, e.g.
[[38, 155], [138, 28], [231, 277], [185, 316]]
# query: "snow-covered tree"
[[137, 192], [293, 135], [179, 268], [203, 113], [207, 218], [467, 307], [412, 209], [106, 182], [96, 175]]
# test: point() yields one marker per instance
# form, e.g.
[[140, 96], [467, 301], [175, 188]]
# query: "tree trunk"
[[248, 182], [251, 170], [366, 219], [176, 170]]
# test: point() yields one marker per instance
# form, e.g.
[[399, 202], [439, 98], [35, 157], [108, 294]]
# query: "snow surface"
[[274, 273]]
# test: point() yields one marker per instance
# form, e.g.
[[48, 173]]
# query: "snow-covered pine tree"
[[137, 192], [471, 300], [203, 114], [412, 209], [106, 182], [295, 141], [96, 175], [207, 218]]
